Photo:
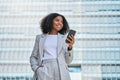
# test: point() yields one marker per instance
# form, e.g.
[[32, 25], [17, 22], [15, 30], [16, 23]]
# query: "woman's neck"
[[53, 32]]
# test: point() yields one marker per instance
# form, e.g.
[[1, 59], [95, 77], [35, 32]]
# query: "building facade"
[[100, 41], [97, 46]]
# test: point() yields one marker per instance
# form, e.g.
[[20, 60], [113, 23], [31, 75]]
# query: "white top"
[[50, 47]]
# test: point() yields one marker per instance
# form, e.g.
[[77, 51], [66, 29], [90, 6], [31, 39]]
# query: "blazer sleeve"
[[68, 54], [34, 55]]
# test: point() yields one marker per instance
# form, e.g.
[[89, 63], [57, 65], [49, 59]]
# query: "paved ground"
[[75, 76]]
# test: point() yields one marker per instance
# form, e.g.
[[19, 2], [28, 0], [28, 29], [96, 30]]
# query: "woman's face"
[[57, 23]]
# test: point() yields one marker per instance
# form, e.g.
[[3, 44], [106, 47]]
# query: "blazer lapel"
[[41, 44], [60, 42]]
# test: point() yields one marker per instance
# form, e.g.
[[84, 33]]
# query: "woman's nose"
[[60, 23]]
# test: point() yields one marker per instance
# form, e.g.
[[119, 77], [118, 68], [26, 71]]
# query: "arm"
[[69, 49], [68, 55], [34, 55]]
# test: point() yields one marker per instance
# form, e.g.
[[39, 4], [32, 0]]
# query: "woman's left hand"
[[71, 41]]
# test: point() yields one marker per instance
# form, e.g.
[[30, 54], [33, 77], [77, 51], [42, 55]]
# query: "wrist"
[[69, 48]]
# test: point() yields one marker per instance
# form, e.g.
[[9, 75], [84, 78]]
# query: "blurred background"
[[97, 46]]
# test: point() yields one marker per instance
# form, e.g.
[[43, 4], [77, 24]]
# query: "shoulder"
[[38, 36], [63, 35]]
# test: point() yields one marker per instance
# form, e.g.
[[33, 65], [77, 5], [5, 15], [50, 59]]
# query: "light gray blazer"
[[64, 56]]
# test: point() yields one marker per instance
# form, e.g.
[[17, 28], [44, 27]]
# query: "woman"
[[51, 53]]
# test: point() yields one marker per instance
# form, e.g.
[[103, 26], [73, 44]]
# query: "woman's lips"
[[59, 26]]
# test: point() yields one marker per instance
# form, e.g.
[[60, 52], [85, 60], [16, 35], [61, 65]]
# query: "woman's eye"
[[57, 20]]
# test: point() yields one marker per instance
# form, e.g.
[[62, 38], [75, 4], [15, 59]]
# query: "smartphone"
[[71, 32]]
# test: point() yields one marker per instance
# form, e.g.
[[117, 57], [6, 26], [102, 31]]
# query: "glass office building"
[[100, 41], [97, 46]]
